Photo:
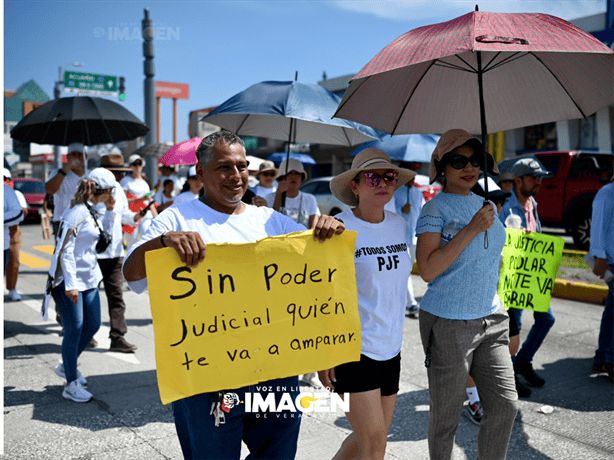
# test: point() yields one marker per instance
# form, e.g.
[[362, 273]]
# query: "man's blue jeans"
[[268, 435], [537, 334], [80, 321], [605, 347]]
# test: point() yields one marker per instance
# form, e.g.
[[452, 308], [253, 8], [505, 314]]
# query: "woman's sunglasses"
[[460, 161], [268, 174], [102, 191], [137, 163], [373, 179]]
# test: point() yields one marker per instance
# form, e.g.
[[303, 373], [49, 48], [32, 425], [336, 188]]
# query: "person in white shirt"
[[13, 214], [111, 260], [135, 183], [220, 216], [164, 197], [168, 172], [195, 186], [382, 268], [63, 182], [301, 207], [266, 179], [11, 270], [74, 275]]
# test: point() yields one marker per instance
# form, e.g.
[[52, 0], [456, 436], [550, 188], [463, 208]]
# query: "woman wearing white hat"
[[382, 269], [301, 207], [463, 326], [74, 274], [136, 183]]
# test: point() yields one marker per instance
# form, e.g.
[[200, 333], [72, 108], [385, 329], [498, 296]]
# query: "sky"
[[220, 48]]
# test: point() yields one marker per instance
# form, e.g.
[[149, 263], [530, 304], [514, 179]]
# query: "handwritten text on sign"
[[529, 267], [279, 307]]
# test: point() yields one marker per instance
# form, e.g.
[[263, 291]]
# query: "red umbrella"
[[183, 153], [483, 72]]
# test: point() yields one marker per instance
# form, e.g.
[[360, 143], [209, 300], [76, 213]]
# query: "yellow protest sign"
[[249, 313], [528, 270]]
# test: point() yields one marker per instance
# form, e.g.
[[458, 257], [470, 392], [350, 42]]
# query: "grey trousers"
[[469, 347]]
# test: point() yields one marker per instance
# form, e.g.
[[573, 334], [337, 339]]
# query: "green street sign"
[[89, 83]]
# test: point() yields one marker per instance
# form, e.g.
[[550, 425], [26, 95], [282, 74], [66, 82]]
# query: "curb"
[[582, 292]]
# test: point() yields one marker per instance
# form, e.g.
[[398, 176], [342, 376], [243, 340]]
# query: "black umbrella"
[[155, 150], [89, 120]]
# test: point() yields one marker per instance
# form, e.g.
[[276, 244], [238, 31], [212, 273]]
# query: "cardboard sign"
[[530, 264], [249, 313]]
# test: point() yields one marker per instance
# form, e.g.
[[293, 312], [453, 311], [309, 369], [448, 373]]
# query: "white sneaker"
[[76, 392], [60, 371], [15, 297], [312, 379]]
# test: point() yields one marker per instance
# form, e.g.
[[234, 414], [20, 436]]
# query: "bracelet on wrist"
[[162, 240], [61, 171]]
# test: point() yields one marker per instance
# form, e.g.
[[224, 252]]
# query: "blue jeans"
[[268, 435], [81, 321], [537, 334], [605, 347]]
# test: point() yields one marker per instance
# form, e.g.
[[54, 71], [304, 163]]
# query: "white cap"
[[7, 173], [134, 157], [76, 147], [293, 165], [192, 171], [102, 177]]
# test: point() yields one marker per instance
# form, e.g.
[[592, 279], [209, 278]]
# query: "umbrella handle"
[[486, 202]]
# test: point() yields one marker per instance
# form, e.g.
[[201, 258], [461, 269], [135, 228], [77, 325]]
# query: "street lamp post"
[[57, 93]]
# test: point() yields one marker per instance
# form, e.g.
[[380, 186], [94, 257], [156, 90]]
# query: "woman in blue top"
[[463, 326]]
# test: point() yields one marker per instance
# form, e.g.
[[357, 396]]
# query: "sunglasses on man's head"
[[137, 163], [373, 179], [102, 191], [268, 174], [460, 161]]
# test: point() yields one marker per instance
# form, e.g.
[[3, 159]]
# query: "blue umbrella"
[[289, 111], [404, 147], [278, 157]]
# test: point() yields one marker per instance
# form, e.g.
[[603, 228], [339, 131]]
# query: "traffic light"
[[122, 88]]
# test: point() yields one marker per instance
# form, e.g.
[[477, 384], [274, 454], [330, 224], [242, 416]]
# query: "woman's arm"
[[433, 260]]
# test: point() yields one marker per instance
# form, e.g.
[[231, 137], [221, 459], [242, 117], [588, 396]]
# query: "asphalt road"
[[127, 420]]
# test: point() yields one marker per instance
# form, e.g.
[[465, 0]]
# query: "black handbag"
[[104, 240]]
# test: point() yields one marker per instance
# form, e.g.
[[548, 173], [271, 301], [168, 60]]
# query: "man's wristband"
[[162, 240], [61, 171]]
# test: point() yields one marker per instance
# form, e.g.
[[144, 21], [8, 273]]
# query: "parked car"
[[565, 199], [34, 192], [329, 205], [320, 188]]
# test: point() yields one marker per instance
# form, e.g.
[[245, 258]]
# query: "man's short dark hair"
[[167, 181], [204, 153]]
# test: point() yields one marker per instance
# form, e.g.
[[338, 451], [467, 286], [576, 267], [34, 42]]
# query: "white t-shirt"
[[21, 199], [299, 208], [138, 187], [382, 270], [65, 193], [259, 190], [13, 213], [183, 197], [253, 224], [161, 198]]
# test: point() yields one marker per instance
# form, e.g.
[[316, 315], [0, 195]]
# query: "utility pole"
[[149, 86]]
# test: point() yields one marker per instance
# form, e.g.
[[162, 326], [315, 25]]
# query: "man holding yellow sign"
[[206, 426]]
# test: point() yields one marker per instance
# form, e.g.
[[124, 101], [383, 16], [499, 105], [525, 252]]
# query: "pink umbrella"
[[183, 153]]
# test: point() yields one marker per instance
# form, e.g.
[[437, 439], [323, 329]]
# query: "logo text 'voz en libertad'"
[[128, 33]]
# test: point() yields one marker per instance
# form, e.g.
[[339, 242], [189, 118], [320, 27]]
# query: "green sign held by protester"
[[528, 270]]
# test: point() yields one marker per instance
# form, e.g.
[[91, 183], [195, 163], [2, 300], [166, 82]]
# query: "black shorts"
[[369, 374]]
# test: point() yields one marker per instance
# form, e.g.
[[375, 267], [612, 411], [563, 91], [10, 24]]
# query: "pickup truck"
[[565, 199]]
